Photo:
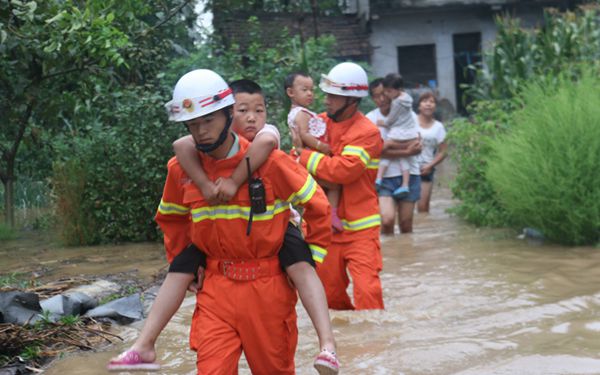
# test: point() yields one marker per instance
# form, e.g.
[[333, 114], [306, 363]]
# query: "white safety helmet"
[[198, 93], [346, 79]]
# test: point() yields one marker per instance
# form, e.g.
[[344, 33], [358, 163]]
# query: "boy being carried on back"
[[249, 121]]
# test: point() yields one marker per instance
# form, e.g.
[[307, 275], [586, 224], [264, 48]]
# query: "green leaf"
[[58, 17]]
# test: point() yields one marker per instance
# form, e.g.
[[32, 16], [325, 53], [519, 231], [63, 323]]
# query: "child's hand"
[[226, 188], [324, 148], [381, 123], [196, 286], [210, 192], [426, 169], [296, 140]]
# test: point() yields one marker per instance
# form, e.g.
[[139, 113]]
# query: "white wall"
[[432, 27], [437, 28]]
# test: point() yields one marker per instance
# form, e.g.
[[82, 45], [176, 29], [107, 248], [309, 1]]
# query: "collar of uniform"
[[235, 147], [349, 121], [223, 167]]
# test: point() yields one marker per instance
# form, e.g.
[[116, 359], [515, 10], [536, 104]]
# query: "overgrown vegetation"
[[471, 140], [100, 134], [544, 170], [58, 57], [7, 233], [16, 280], [548, 57], [108, 175], [267, 65]]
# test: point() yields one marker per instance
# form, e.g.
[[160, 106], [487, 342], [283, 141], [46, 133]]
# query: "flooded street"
[[458, 301]]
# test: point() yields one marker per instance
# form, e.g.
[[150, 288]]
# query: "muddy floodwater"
[[458, 301]]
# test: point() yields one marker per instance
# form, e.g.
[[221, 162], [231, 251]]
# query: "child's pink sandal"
[[327, 363], [131, 360]]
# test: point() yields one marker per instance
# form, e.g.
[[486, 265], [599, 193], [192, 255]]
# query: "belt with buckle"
[[245, 269]]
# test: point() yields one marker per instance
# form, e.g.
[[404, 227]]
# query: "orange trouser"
[[258, 316], [363, 259]]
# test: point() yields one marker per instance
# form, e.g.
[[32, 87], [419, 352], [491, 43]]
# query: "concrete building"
[[431, 42]]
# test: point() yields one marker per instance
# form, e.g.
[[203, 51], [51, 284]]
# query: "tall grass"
[[74, 222], [31, 202], [546, 170], [7, 233]]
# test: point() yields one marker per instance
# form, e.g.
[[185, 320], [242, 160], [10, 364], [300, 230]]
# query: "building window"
[[417, 65], [467, 54]]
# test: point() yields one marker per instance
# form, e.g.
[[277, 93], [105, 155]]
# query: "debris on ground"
[[35, 344]]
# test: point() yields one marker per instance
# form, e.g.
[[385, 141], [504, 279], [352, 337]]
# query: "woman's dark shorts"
[[428, 177], [389, 184]]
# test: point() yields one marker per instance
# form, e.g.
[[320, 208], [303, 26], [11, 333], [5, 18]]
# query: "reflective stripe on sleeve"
[[231, 212], [166, 208], [364, 223], [357, 151], [305, 193], [313, 162], [373, 164], [318, 253]]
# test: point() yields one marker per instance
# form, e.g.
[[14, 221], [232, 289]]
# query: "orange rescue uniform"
[[356, 147], [246, 302]]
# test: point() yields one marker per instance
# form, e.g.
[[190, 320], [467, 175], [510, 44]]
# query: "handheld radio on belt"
[[256, 191]]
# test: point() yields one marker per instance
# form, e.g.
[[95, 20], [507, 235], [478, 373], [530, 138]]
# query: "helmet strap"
[[338, 113], [209, 147]]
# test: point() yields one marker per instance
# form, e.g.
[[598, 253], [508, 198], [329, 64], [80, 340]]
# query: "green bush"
[[121, 160], [75, 223], [545, 170], [7, 233], [469, 139]]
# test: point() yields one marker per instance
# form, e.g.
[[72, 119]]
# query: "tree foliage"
[[565, 42], [323, 7], [56, 55], [267, 65], [122, 139], [111, 193]]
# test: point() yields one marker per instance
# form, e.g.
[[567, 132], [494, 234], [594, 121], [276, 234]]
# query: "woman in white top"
[[433, 135]]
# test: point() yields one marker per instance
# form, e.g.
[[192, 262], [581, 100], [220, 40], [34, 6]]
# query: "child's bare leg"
[[333, 196], [312, 295], [380, 172], [405, 178], [169, 298]]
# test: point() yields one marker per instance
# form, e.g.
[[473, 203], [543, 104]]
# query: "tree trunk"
[[315, 12], [8, 175], [9, 209]]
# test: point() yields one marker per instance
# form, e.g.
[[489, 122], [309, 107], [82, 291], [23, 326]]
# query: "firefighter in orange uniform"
[[246, 302], [355, 146]]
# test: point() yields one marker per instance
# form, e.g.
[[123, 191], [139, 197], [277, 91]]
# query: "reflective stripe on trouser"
[[363, 259], [258, 315]]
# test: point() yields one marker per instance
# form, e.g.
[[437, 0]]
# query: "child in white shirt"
[[402, 128], [312, 131]]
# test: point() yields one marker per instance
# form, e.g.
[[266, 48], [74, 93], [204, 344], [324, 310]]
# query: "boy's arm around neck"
[[258, 152], [187, 156]]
